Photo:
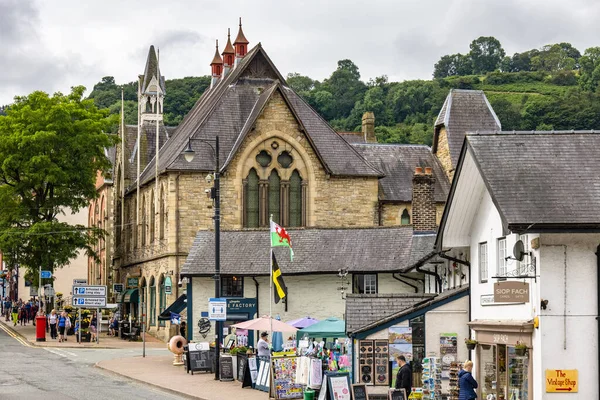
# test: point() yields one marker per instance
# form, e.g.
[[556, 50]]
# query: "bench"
[[135, 335]]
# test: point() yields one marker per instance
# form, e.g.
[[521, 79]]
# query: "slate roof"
[[541, 180], [464, 111], [229, 111], [431, 302], [316, 250], [365, 309], [398, 163], [353, 137]]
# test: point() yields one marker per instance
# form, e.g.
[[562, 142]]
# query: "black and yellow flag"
[[280, 289]]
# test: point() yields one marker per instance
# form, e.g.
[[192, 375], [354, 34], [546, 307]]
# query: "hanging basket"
[[520, 351], [471, 346]]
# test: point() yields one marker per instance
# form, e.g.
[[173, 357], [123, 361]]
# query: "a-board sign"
[[263, 379], [197, 359], [253, 367], [339, 386], [323, 391], [241, 361], [359, 392], [226, 368], [397, 394], [284, 378]]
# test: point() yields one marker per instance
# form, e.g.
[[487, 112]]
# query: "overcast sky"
[[53, 45]]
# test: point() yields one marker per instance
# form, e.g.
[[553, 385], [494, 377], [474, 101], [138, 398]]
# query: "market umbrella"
[[303, 322], [277, 338], [265, 323], [328, 328]]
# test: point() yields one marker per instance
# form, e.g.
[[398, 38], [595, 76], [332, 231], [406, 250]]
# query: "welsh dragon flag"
[[280, 237]]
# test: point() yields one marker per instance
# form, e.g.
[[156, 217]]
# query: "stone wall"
[[443, 153], [391, 213]]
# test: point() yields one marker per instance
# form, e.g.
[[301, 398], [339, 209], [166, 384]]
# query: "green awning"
[[177, 307], [129, 296]]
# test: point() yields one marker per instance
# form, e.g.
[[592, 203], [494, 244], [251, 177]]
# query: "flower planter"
[[520, 351], [471, 346]]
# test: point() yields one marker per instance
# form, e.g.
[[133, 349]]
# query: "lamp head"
[[189, 153], [209, 178]]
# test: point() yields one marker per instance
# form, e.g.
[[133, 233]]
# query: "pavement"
[[155, 370]]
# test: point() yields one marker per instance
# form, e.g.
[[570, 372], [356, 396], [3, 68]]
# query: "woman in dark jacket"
[[466, 382]]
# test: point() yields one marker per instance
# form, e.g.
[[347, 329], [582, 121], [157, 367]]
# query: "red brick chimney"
[[423, 202]]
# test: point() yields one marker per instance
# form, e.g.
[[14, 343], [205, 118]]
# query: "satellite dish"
[[519, 250]]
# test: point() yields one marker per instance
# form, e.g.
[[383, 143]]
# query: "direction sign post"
[[89, 302], [46, 274], [89, 291]]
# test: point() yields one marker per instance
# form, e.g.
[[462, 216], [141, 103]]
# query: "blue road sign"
[[46, 274]]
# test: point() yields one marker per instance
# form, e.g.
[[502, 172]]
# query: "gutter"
[[442, 254]]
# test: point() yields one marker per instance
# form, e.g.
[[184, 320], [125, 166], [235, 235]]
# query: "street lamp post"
[[216, 196]]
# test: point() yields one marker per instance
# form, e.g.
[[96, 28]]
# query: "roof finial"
[[228, 33], [217, 44], [240, 22]]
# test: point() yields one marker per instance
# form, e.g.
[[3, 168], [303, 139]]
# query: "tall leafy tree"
[[346, 89], [51, 149], [556, 57], [486, 54], [590, 69], [451, 65]]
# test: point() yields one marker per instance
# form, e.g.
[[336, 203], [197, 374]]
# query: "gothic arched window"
[[162, 215], [251, 200], [295, 209], [152, 217], [405, 218], [274, 196], [144, 221]]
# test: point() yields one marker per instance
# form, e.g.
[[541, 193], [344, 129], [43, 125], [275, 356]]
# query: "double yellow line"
[[15, 336]]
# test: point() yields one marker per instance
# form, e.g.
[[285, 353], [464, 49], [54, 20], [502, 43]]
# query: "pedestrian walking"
[[52, 321], [466, 383], [62, 326], [93, 330], [404, 375], [15, 313]]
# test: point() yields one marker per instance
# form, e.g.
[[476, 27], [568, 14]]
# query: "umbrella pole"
[[271, 293]]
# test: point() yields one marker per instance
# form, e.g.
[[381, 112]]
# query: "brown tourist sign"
[[511, 292]]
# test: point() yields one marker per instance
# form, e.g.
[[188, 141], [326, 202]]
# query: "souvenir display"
[[432, 378], [284, 378], [455, 368]]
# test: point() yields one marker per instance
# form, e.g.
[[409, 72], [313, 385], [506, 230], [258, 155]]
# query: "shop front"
[[129, 300], [504, 367], [239, 310]]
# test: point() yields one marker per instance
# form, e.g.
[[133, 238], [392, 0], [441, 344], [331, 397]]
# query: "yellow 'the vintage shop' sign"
[[562, 381]]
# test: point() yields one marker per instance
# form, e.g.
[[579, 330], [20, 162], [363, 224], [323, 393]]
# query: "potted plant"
[[520, 348], [471, 343], [238, 353]]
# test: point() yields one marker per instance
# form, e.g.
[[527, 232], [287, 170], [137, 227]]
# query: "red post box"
[[40, 328]]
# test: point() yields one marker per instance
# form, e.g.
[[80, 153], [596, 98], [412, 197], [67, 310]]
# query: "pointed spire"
[[217, 58], [228, 55], [240, 36], [151, 70]]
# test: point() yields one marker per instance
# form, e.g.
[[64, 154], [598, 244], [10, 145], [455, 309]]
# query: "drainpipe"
[[598, 299], [379, 210], [401, 279], [442, 254]]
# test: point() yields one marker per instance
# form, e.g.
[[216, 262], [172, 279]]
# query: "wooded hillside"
[[554, 87]]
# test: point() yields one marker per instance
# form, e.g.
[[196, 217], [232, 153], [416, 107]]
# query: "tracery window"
[[152, 217], [274, 186]]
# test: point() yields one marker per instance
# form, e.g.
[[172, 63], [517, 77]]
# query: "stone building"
[[360, 213]]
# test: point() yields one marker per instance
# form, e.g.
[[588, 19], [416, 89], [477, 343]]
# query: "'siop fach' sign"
[[511, 292]]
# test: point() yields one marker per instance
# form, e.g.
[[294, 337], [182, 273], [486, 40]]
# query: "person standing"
[[262, 346], [466, 383], [62, 323], [52, 321], [15, 312], [404, 375]]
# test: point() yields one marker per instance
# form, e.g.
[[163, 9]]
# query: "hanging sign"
[[168, 285], [562, 381], [132, 282], [511, 292]]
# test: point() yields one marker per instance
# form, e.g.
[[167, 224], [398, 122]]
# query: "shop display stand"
[[518, 385], [432, 378], [455, 368]]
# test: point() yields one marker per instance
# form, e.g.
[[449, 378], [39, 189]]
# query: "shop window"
[[418, 346], [232, 286], [152, 302], [501, 257], [503, 374], [483, 262], [162, 300], [405, 218], [365, 284]]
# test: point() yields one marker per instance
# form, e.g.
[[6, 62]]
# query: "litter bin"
[[40, 328], [309, 394]]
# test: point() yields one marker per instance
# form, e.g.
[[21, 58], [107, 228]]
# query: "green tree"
[[345, 88], [299, 83], [486, 54], [451, 65], [51, 149], [555, 57], [590, 69]]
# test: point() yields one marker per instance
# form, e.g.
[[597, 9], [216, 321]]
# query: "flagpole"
[[271, 280]]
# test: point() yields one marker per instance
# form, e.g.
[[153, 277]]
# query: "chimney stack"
[[423, 201], [228, 55], [216, 67], [368, 127], [240, 44]]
